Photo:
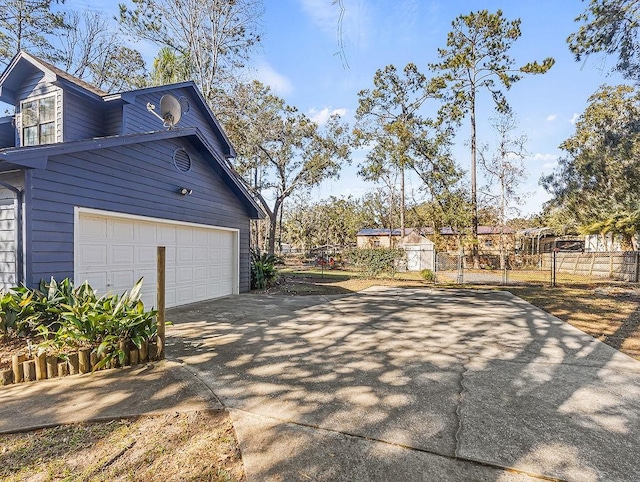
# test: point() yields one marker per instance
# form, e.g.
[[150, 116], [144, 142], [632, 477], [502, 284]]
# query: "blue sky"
[[300, 59]]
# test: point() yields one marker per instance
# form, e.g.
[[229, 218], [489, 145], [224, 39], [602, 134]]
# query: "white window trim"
[[55, 96]]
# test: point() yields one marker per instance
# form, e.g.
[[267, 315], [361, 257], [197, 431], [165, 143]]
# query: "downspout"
[[19, 242]]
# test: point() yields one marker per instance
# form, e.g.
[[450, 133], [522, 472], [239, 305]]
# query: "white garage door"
[[113, 251]]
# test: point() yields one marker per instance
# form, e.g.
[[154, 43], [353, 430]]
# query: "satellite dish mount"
[[170, 111]]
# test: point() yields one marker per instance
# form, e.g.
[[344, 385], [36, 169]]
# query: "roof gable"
[[130, 97], [25, 64]]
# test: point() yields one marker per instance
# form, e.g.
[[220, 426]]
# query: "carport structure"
[[413, 384]]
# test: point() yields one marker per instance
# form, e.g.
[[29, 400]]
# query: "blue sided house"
[[91, 183]]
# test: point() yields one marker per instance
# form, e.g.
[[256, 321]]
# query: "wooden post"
[[52, 366], [124, 346], [63, 369], [84, 360], [637, 266], [144, 351], [29, 370], [41, 367], [6, 377], [153, 350], [160, 300], [134, 356], [74, 364], [16, 366]]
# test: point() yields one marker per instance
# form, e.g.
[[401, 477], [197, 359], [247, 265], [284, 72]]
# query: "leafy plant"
[[375, 261], [427, 275], [263, 269], [67, 317]]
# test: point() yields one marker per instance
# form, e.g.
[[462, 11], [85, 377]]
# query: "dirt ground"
[[177, 447]]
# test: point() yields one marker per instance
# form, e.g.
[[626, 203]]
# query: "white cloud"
[[574, 118], [551, 117], [547, 161], [323, 13], [320, 117], [348, 25], [280, 84]]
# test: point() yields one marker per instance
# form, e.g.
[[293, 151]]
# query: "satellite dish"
[[170, 111]]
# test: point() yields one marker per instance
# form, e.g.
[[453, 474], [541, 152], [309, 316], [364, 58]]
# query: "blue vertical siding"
[[138, 119], [138, 179], [7, 132], [113, 121], [82, 120]]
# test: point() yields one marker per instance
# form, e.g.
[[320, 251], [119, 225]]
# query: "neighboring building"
[[533, 241], [379, 238], [420, 251], [91, 183]]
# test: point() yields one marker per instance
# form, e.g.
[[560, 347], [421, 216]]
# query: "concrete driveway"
[[413, 384]]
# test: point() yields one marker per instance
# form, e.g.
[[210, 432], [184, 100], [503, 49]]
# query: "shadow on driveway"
[[413, 384]]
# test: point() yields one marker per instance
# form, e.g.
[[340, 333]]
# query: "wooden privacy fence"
[[617, 265]]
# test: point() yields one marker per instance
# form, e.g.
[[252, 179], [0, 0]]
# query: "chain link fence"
[[555, 268]]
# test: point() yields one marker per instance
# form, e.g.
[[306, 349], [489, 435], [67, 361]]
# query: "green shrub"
[[427, 275], [263, 269], [376, 261], [69, 318]]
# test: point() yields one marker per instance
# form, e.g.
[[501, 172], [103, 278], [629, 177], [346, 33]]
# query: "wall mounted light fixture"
[[185, 191]]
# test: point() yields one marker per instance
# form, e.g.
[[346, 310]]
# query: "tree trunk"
[[474, 196], [273, 226], [402, 201]]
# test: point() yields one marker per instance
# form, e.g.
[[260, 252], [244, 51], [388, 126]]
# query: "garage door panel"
[[185, 255], [97, 280], [122, 280], [114, 252], [93, 228], [122, 230], [200, 254], [184, 295], [184, 274], [200, 274], [170, 298], [185, 236], [91, 255], [170, 254], [166, 235], [146, 255], [122, 255], [200, 291], [146, 233], [213, 290]]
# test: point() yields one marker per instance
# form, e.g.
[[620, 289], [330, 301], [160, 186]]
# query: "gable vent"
[[182, 160]]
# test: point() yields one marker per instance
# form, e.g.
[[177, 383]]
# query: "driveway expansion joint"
[[461, 392], [365, 438]]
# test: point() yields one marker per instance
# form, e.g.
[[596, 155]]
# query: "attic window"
[[39, 121], [182, 160]]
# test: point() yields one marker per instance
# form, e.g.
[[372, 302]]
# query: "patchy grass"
[[175, 447], [612, 317]]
